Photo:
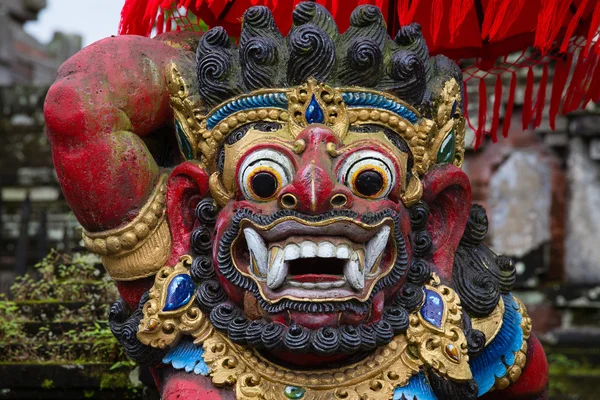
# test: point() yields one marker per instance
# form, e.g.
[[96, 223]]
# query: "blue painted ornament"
[[314, 113], [433, 309], [179, 293]]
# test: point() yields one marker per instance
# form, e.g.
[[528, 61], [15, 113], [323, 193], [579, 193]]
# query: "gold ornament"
[[443, 348], [160, 328], [140, 248]]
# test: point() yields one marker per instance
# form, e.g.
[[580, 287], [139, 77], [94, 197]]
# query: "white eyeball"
[[368, 174], [264, 173]]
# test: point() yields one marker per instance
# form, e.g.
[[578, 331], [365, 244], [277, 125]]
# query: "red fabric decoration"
[[496, 115], [527, 110], [509, 105], [482, 111], [487, 30]]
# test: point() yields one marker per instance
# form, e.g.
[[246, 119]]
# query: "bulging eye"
[[368, 174], [263, 173]]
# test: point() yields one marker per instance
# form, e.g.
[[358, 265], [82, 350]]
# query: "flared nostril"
[[338, 200], [288, 201]]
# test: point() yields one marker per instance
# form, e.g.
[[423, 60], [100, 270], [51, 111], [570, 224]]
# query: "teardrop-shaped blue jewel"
[[433, 308], [179, 293], [314, 113]]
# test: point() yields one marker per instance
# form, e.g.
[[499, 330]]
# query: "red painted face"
[[316, 220]]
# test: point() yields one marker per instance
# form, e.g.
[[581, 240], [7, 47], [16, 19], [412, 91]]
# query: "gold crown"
[[431, 141]]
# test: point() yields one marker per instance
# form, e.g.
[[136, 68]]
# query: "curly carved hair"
[[363, 56]]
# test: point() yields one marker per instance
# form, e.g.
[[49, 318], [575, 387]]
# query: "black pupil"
[[264, 184], [368, 183]]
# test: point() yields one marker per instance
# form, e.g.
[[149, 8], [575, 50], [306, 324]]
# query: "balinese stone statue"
[[286, 218]]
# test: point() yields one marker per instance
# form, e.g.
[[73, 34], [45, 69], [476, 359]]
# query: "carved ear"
[[187, 185], [447, 192]]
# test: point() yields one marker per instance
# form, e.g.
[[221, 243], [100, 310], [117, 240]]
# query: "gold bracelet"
[[140, 248]]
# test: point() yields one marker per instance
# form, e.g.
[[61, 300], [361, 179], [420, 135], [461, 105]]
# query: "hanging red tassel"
[[572, 25], [561, 74], [550, 21], [437, 12], [497, 103], [577, 86], [541, 97], [482, 111], [458, 13], [406, 11], [594, 28], [528, 100], [509, 105], [499, 17]]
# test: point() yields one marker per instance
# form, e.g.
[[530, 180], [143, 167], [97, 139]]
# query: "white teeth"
[[308, 249], [278, 268], [258, 250], [375, 247], [326, 250], [343, 252], [318, 285], [291, 252], [354, 271]]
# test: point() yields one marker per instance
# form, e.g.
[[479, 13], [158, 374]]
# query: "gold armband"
[[140, 248]]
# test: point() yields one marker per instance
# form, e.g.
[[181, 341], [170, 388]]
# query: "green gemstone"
[[446, 151], [294, 392]]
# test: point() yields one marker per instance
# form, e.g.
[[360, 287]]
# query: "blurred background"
[[541, 189]]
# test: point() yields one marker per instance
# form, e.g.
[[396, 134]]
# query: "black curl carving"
[[223, 315], [257, 17], [209, 295], [124, 327], [206, 211], [312, 54], [447, 389], [383, 332], [363, 64], [202, 269], [365, 15], [419, 214], [259, 59], [367, 338], [350, 339], [326, 340], [408, 71], [505, 272], [410, 38], [475, 338], [254, 334], [297, 339], [236, 331], [422, 243], [477, 226], [477, 288], [214, 39], [202, 240], [419, 272], [410, 297], [398, 318], [272, 336], [309, 12]]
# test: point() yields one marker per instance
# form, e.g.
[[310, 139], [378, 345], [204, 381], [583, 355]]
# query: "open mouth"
[[332, 260]]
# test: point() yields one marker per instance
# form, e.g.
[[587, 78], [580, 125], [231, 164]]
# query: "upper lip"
[[361, 247]]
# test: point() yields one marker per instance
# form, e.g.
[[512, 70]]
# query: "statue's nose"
[[315, 188]]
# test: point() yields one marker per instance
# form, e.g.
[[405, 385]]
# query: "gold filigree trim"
[[444, 348], [160, 328], [256, 377], [145, 260], [491, 324], [514, 371]]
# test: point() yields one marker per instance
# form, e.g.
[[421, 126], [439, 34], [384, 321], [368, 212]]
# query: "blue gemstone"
[[314, 114], [180, 292], [433, 309]]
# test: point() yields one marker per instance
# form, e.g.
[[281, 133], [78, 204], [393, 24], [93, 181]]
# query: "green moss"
[[47, 384], [115, 380]]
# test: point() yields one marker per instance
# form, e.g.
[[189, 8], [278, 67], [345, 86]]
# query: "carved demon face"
[[315, 232]]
